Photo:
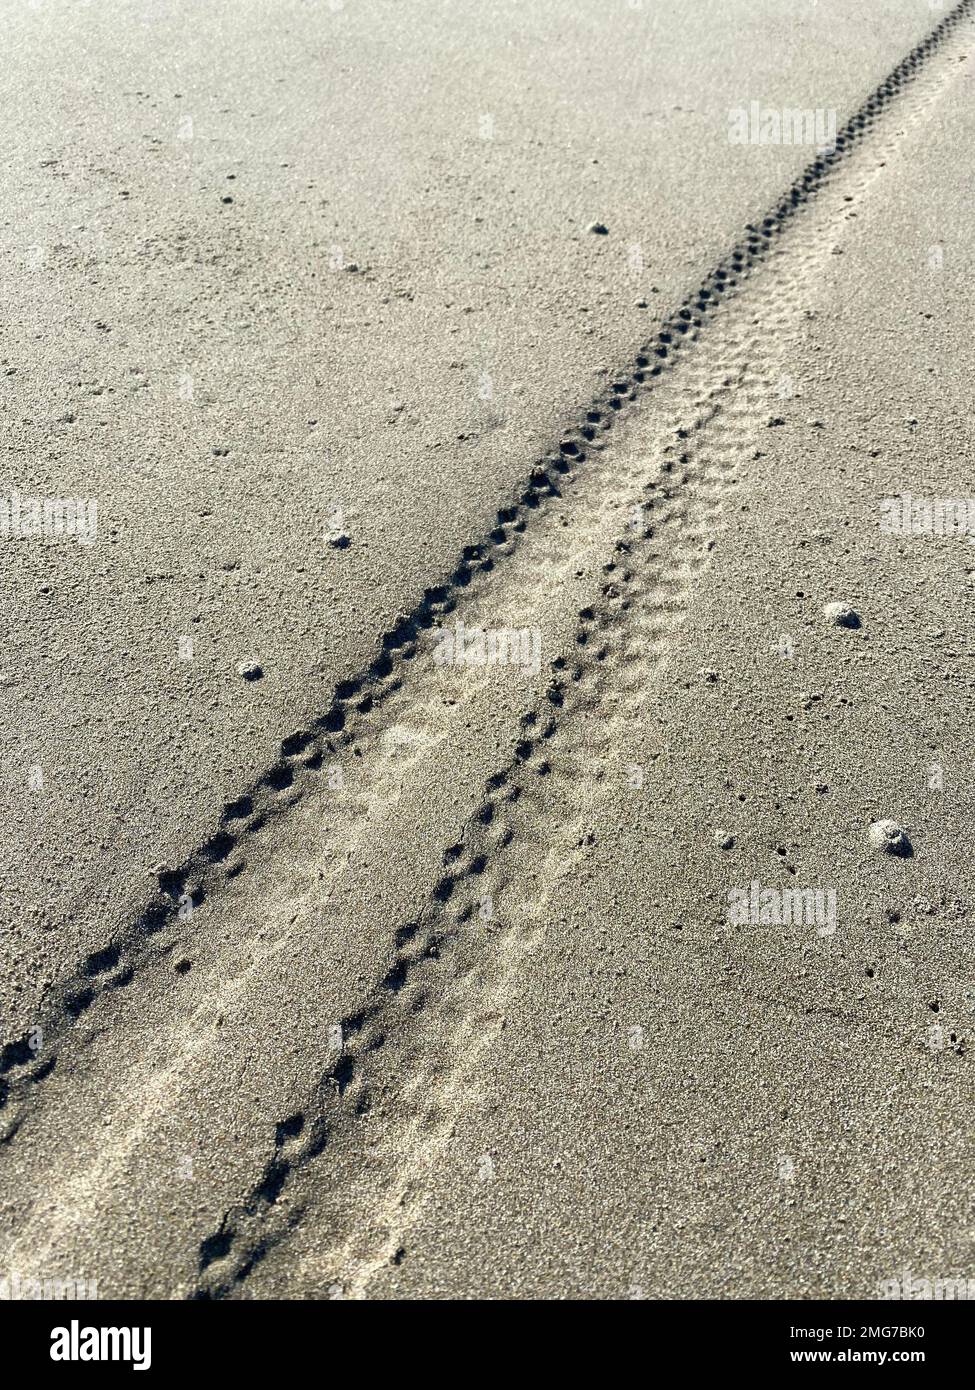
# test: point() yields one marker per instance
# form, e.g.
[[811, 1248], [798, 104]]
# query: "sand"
[[333, 965]]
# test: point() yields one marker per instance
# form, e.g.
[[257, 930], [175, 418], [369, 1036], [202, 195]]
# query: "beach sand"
[[334, 964]]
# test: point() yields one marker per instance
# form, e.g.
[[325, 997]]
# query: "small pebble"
[[889, 837], [724, 839], [250, 670], [841, 615]]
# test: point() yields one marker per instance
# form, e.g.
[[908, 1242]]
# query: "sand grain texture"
[[443, 999]]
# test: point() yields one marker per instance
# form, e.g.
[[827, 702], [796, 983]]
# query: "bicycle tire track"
[[643, 650], [729, 390], [304, 752]]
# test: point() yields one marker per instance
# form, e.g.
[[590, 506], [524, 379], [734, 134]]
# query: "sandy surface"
[[442, 996]]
